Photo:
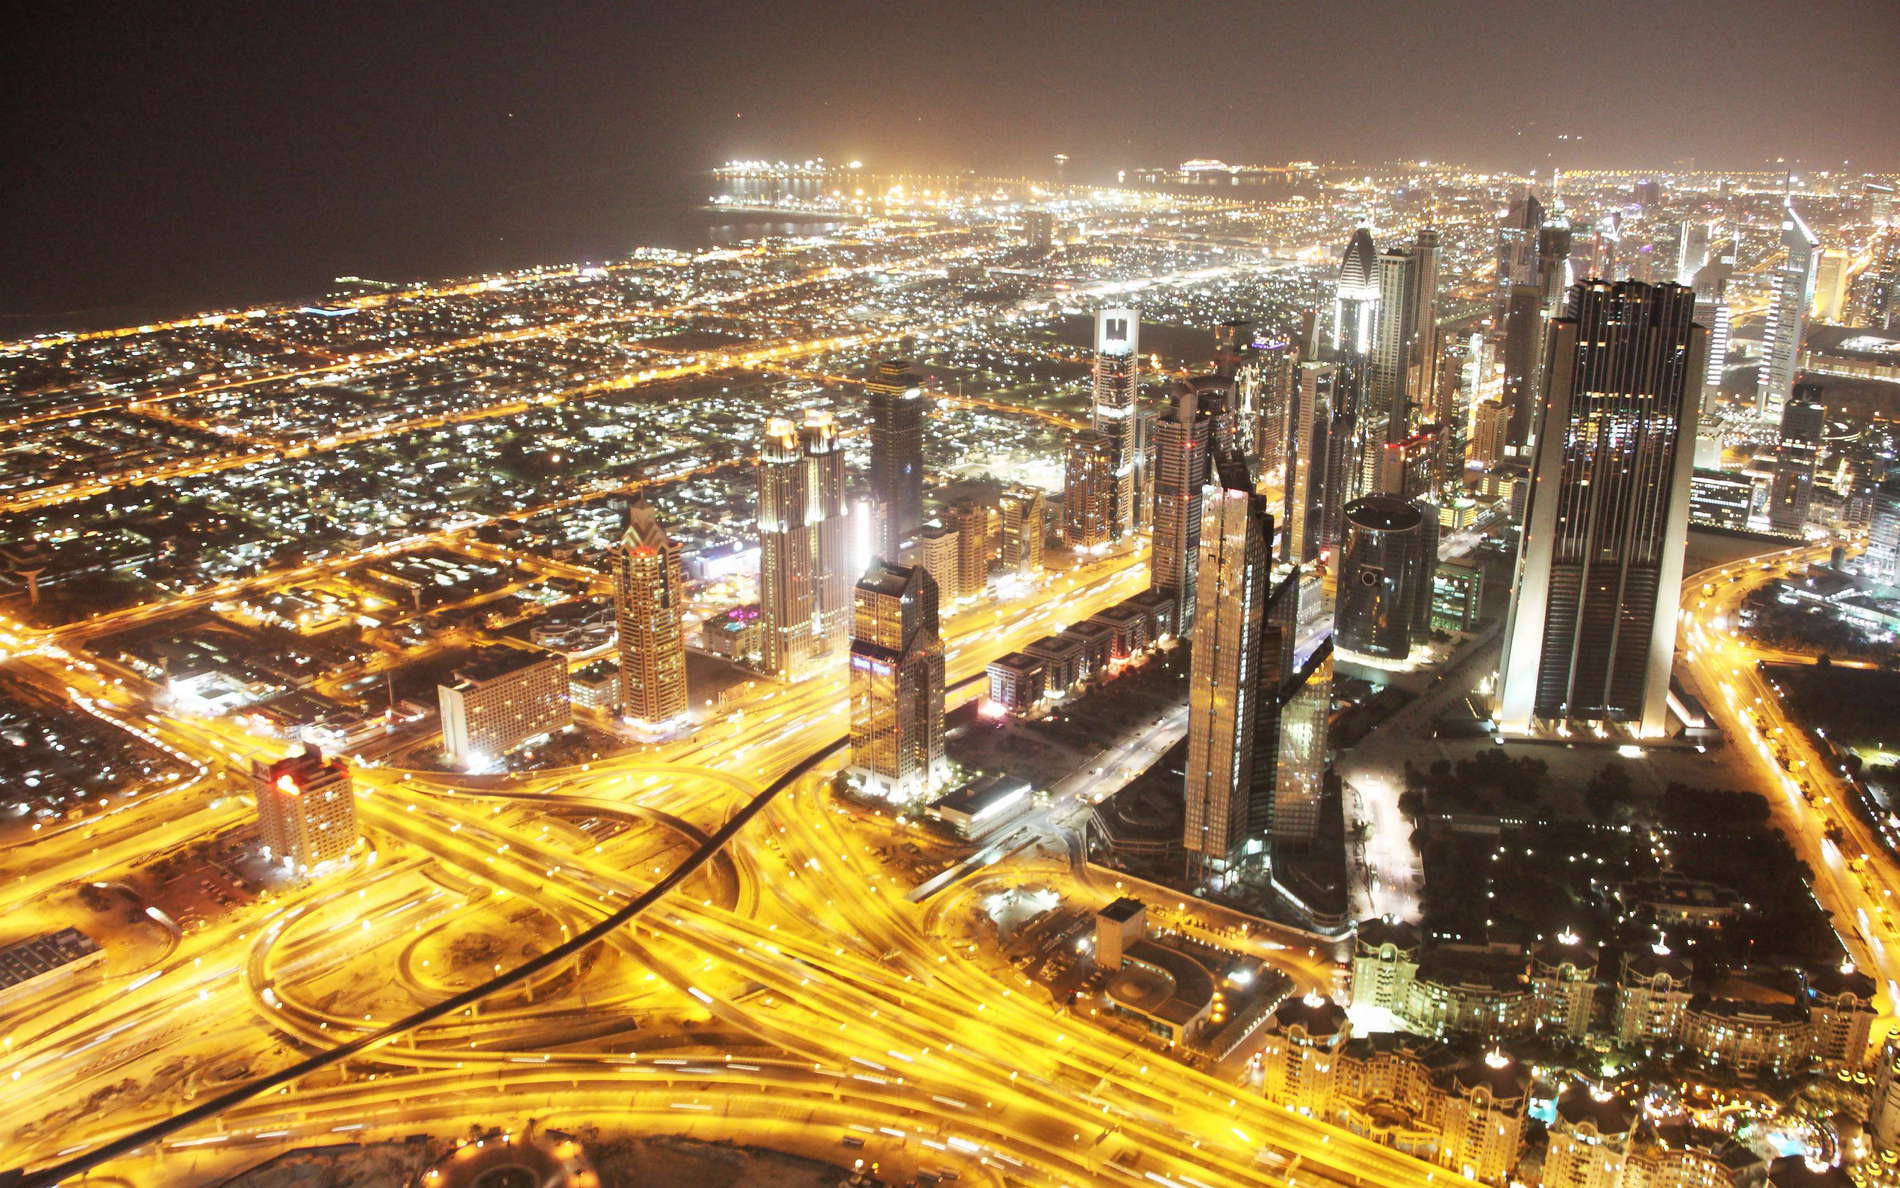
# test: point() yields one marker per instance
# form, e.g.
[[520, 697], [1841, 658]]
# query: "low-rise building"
[[30, 967], [1015, 683], [1590, 1138]]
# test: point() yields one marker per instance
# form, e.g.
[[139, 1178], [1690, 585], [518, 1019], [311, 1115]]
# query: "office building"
[[896, 684], [1308, 424], [1015, 683], [1720, 499], [1521, 355], [1241, 644], [1803, 424], [1592, 624], [1517, 252], [1276, 370], [1090, 487], [1356, 297], [499, 700], [1409, 466], [1384, 579], [940, 551], [1400, 364], [1881, 563], [1831, 271], [1490, 422], [649, 602], [306, 809], [1182, 438], [895, 400], [1300, 775], [1039, 230], [1022, 515], [972, 522], [1787, 315], [1116, 411], [1692, 250], [803, 541], [1457, 596]]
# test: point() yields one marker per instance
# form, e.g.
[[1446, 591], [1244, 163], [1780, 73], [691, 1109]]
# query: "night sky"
[[170, 156]]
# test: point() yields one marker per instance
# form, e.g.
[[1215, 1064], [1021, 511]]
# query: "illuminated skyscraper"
[[1181, 468], [896, 684], [1517, 252], [1592, 625], [972, 522], [1356, 297], [1276, 368], [1116, 412], [306, 809], [1309, 423], [1399, 369], [1229, 673], [649, 600], [1301, 770], [1803, 424], [803, 543], [1787, 315], [897, 406], [1022, 529], [1881, 562], [1090, 485], [1522, 357], [1692, 250]]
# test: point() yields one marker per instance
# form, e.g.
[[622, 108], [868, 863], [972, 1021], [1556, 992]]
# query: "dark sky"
[[167, 153]]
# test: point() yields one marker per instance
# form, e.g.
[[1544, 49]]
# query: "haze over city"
[[1077, 594]]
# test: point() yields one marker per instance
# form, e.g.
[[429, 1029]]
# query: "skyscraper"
[[1308, 423], [1182, 440], [1276, 368], [1384, 579], [1803, 424], [896, 684], [1692, 250], [306, 809], [1022, 529], [1592, 623], [803, 540], [649, 600], [972, 521], [1090, 486], [1400, 362], [897, 406], [1300, 774], [1356, 314], [1787, 315], [1522, 357], [1881, 562], [1517, 251], [1116, 411], [1225, 681]]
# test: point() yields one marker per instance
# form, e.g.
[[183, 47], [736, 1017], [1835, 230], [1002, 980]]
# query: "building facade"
[[306, 809], [897, 405], [896, 684], [803, 542], [500, 699], [650, 602]]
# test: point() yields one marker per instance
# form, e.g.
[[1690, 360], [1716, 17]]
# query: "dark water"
[[265, 255]]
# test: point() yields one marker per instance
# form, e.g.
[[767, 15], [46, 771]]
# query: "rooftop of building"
[[1380, 931], [1606, 1112], [1317, 1017], [24, 960], [491, 663], [1122, 910], [1016, 662]]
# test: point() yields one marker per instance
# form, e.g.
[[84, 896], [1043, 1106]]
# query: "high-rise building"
[[803, 541], [1384, 575], [1344, 473], [1592, 624], [1692, 250], [1798, 449], [896, 684], [897, 406], [649, 602], [1408, 466], [1022, 529], [1301, 775], [1308, 424], [1787, 315], [940, 551], [1241, 642], [1090, 486], [1399, 367], [1356, 297], [1182, 439], [1489, 422], [1116, 411], [1882, 559], [1237, 367], [1277, 369], [972, 521], [1039, 229], [1830, 285], [500, 699], [306, 809], [1522, 357], [1517, 251]]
